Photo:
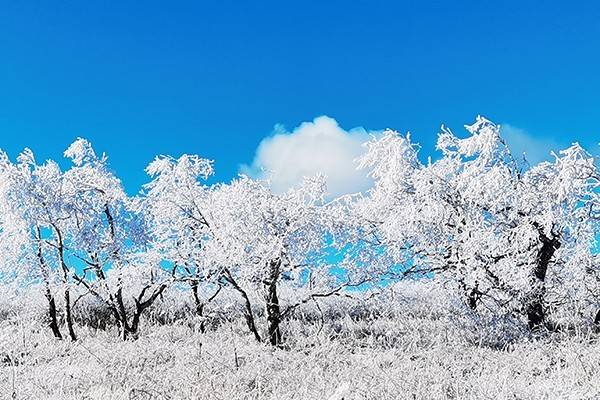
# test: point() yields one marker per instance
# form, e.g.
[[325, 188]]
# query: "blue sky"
[[215, 77]]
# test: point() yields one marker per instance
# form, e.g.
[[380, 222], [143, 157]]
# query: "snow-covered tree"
[[109, 240], [263, 239], [176, 206], [504, 235], [37, 203]]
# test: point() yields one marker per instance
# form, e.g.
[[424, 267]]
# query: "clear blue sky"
[[214, 77]]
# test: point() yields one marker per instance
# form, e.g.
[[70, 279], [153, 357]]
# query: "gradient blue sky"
[[214, 77]]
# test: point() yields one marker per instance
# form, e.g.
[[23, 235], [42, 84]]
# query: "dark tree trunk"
[[199, 305], [122, 315], [65, 276], [52, 314], [273, 315], [273, 308], [68, 315], [248, 314], [129, 330], [472, 299], [536, 313], [597, 318], [135, 321], [473, 295]]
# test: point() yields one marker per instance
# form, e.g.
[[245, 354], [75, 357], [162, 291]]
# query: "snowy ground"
[[409, 355]]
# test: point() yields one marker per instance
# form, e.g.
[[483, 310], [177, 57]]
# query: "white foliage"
[[504, 238], [475, 219]]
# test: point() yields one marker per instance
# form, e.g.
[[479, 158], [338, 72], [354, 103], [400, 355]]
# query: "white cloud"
[[320, 146], [521, 142]]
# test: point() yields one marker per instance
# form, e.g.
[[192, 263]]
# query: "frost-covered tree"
[[38, 203], [177, 208], [21, 247], [109, 240], [502, 234], [263, 239]]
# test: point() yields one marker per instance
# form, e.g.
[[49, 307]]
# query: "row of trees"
[[508, 237]]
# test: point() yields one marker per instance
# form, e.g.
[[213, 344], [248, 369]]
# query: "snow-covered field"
[[364, 350]]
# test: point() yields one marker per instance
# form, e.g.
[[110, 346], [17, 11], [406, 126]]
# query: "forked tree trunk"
[[65, 277], [128, 324], [273, 308], [199, 304], [536, 313], [130, 328]]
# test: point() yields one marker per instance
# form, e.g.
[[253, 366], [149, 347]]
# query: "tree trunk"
[[472, 295], [65, 276], [52, 314], [273, 308], [130, 329], [248, 314], [68, 316], [472, 298], [199, 305], [536, 313], [122, 314], [48, 293], [135, 322]]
